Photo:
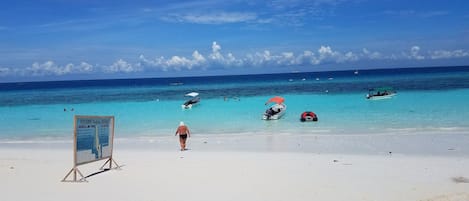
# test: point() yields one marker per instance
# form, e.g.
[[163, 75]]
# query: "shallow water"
[[428, 100]]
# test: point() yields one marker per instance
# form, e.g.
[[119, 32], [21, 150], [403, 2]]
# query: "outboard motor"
[[269, 112]]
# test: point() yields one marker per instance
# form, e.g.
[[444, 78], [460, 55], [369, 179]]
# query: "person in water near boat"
[[184, 133]]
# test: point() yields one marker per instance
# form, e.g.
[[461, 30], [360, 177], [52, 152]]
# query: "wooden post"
[[76, 160], [74, 171]]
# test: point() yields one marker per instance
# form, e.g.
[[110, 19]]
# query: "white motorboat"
[[380, 93], [191, 102], [275, 111]]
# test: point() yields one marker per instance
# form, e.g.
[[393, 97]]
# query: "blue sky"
[[87, 39]]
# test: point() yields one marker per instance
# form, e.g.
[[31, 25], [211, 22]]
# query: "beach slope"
[[149, 175]]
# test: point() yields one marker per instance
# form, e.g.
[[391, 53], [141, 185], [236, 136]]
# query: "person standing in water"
[[183, 132]]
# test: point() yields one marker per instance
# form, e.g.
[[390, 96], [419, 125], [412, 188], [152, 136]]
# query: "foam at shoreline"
[[423, 143]]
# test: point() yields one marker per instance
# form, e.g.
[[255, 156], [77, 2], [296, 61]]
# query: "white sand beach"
[[248, 169]]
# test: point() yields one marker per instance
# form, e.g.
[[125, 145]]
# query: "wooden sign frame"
[[109, 158]]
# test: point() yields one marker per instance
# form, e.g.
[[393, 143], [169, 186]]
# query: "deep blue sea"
[[428, 100]]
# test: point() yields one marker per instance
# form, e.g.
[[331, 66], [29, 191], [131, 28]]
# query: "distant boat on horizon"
[[176, 83], [380, 93]]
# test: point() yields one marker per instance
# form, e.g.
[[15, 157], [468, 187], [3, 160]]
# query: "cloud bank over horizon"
[[217, 58], [65, 40]]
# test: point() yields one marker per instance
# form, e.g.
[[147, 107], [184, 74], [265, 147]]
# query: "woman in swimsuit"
[[183, 132]]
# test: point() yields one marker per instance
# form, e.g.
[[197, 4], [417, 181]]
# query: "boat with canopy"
[[276, 110]]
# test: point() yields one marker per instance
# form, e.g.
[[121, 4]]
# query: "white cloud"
[[445, 54], [51, 68], [122, 66], [4, 71], [216, 55], [85, 67], [216, 58], [41, 69], [414, 13], [286, 58], [259, 58], [349, 56], [175, 62], [437, 13], [299, 13], [158, 62], [371, 55], [147, 10], [233, 61], [326, 54], [198, 58], [414, 53], [178, 62], [212, 18], [308, 58], [48, 68]]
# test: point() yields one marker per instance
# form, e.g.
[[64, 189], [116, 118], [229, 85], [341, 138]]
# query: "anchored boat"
[[380, 93], [192, 101], [276, 110]]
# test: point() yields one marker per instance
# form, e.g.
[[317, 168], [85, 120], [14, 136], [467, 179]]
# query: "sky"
[[87, 39]]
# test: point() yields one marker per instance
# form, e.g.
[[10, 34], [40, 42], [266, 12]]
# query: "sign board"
[[92, 141], [93, 138]]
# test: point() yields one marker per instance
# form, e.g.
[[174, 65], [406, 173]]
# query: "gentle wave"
[[447, 130]]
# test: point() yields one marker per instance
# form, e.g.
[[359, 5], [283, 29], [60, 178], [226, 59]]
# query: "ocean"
[[428, 100]]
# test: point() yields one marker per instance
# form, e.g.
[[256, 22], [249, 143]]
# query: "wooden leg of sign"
[[107, 161], [83, 178], [117, 165], [74, 171], [110, 161], [68, 174]]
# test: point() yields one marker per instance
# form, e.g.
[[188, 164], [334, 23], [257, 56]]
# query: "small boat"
[[308, 116], [380, 93], [176, 83], [275, 111], [191, 102]]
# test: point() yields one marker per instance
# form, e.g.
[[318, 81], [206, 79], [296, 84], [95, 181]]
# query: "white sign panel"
[[93, 138]]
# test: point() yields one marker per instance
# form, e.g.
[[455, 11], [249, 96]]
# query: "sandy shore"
[[207, 173]]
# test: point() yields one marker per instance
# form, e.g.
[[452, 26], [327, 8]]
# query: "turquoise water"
[[146, 110]]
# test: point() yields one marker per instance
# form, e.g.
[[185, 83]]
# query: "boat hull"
[[278, 115], [381, 97], [188, 104]]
